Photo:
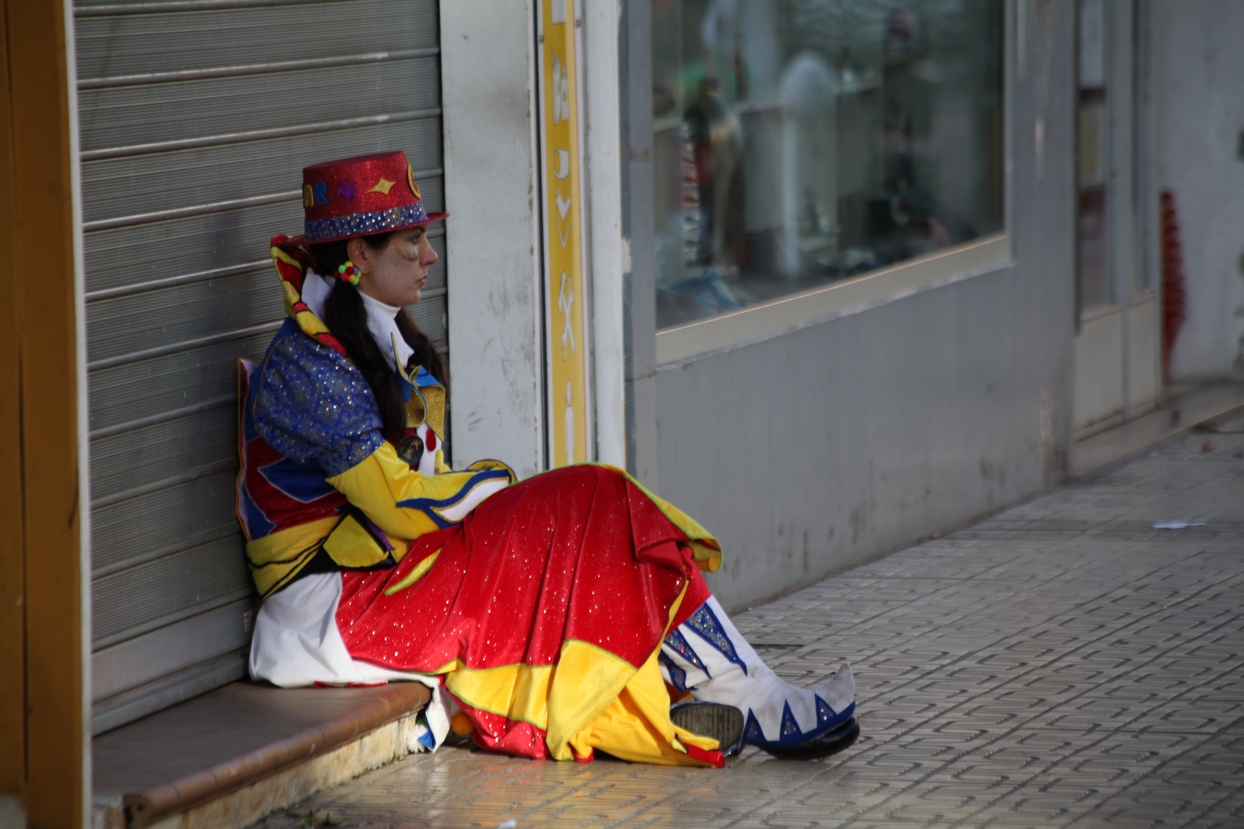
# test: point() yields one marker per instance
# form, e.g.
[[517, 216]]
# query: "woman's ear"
[[358, 252]]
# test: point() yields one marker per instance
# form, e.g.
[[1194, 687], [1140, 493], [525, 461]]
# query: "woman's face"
[[395, 275]]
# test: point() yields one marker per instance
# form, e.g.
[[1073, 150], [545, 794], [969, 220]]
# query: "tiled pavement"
[[1062, 663]]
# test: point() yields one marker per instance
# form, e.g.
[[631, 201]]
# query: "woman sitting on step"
[[559, 613]]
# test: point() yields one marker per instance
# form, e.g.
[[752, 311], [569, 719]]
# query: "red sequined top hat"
[[360, 196]]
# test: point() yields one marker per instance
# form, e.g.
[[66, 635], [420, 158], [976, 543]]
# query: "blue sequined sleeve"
[[312, 404]]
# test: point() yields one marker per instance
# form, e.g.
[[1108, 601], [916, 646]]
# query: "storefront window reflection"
[[801, 142]]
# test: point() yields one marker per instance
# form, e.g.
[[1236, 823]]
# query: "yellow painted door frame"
[[566, 349], [44, 734]]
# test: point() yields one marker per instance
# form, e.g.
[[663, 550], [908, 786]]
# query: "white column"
[[608, 253], [488, 83]]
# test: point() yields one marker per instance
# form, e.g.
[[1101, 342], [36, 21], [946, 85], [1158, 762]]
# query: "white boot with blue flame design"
[[708, 657]]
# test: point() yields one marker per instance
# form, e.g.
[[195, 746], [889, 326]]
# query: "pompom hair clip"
[[348, 272]]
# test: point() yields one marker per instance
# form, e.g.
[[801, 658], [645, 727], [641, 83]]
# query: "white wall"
[[608, 255], [488, 66], [1200, 99]]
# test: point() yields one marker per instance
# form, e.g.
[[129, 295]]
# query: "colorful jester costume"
[[558, 612]]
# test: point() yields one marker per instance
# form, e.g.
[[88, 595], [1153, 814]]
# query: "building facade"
[[832, 275]]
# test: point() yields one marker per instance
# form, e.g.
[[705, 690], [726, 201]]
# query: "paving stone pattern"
[[1060, 664]]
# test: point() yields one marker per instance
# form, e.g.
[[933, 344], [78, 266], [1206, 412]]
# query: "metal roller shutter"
[[196, 118]]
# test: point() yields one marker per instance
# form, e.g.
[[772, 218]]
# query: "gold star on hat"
[[382, 186]]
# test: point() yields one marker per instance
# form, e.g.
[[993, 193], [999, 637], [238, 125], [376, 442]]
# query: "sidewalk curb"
[[1235, 407], [252, 802], [244, 788]]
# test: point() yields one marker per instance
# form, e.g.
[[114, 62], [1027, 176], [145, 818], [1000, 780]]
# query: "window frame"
[[784, 315], [688, 342]]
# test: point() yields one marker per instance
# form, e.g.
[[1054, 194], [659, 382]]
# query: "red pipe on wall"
[[1174, 297]]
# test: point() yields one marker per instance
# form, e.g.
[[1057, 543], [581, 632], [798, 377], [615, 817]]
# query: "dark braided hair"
[[346, 316]]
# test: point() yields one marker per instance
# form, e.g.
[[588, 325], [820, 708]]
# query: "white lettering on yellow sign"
[[561, 91], [568, 383], [569, 417], [565, 302]]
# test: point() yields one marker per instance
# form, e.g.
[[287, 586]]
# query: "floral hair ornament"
[[348, 272]]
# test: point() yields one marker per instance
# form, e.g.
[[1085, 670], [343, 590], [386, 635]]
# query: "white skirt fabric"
[[296, 643]]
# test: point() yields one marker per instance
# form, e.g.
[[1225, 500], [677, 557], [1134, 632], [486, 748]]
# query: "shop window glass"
[[801, 142]]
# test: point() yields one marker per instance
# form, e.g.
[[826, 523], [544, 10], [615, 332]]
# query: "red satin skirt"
[[575, 554]]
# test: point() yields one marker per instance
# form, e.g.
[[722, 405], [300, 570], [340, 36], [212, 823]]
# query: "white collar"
[[381, 318]]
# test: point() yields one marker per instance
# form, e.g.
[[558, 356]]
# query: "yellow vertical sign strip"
[[565, 297]]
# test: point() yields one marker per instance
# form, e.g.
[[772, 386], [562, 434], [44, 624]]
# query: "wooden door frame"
[[44, 618]]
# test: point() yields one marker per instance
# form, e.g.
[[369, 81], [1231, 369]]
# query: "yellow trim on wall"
[[564, 289]]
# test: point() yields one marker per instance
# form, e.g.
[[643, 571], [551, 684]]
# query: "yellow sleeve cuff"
[[406, 504]]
